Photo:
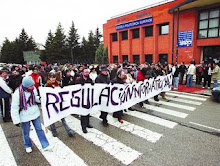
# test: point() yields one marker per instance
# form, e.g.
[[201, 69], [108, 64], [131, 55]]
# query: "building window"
[[149, 58], [115, 59], [124, 35], [164, 29], [114, 37], [148, 31], [208, 24], [136, 59], [135, 33], [125, 58], [163, 58]]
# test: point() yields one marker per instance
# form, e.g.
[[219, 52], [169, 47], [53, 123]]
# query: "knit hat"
[[27, 82]]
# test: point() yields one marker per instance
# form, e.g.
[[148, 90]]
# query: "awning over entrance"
[[189, 4]]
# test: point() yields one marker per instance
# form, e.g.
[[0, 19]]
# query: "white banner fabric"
[[58, 103]]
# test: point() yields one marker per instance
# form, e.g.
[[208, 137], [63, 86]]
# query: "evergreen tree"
[[101, 55], [31, 45], [6, 51], [47, 55], [97, 38], [91, 46], [73, 41], [59, 44]]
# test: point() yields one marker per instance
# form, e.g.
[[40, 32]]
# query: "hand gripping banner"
[[58, 103]]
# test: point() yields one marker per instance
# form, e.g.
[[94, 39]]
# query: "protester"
[[207, 74], [84, 78], [36, 78], [176, 78], [15, 80], [190, 73], [215, 75], [93, 74], [182, 70], [24, 110], [53, 83], [5, 95], [199, 74], [120, 79], [103, 78]]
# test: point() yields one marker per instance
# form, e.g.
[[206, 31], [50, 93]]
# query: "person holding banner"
[[103, 78], [53, 83], [120, 79], [84, 78], [24, 109]]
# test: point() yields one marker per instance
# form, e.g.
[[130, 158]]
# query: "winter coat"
[[32, 112], [14, 81], [5, 90], [216, 73], [101, 78]]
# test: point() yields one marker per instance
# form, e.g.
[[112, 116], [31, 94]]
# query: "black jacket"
[[101, 78], [81, 80], [14, 81], [117, 80]]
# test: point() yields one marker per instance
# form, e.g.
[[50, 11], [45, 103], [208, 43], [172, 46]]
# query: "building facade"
[[171, 31]]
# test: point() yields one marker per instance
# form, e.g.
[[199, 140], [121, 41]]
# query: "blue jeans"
[[40, 133], [215, 83], [175, 82], [189, 80]]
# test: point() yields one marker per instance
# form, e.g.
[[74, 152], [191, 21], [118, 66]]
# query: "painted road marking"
[[6, 156], [191, 94], [61, 154], [166, 111], [110, 145], [183, 101], [185, 96], [152, 119], [205, 126], [132, 128], [189, 108]]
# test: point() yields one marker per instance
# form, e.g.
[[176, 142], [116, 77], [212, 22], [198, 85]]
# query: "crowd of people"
[[19, 88]]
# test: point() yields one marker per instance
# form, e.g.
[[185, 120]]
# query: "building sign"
[[185, 39], [135, 23]]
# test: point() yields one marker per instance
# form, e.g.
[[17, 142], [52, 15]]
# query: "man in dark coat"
[[182, 70], [120, 79], [103, 78], [15, 80], [84, 78]]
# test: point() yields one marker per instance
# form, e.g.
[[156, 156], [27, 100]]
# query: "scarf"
[[23, 101], [51, 84]]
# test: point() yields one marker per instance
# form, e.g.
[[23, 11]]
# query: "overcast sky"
[[37, 17]]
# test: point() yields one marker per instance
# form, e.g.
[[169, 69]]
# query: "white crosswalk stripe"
[[115, 148], [189, 108], [183, 101], [6, 156], [132, 128], [166, 111], [64, 155], [60, 155], [189, 94], [152, 119], [186, 96]]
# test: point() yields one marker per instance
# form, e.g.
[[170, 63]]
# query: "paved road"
[[182, 130]]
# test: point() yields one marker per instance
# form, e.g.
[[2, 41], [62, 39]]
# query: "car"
[[216, 93]]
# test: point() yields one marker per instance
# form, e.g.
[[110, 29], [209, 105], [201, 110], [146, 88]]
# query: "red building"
[[151, 34]]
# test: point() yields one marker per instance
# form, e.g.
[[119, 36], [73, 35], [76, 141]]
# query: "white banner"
[[58, 103]]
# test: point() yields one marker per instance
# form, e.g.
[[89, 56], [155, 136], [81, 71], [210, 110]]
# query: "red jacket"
[[140, 76], [36, 79]]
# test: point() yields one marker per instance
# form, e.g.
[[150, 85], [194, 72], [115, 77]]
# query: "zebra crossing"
[[179, 105]]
